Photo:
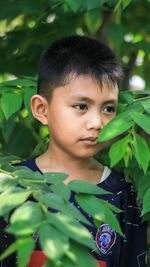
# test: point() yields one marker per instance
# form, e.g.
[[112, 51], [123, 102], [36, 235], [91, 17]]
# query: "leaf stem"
[[9, 173], [140, 99], [35, 181]]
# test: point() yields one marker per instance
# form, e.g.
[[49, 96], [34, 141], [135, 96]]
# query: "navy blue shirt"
[[113, 249]]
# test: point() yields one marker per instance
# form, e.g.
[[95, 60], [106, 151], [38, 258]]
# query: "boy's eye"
[[110, 109], [80, 107]]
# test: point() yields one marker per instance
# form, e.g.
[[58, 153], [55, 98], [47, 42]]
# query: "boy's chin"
[[89, 154]]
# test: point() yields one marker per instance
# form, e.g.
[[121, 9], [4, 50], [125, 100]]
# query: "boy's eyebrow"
[[82, 98], [111, 101], [87, 99]]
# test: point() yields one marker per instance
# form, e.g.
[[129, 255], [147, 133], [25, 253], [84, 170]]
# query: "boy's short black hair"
[[77, 55]]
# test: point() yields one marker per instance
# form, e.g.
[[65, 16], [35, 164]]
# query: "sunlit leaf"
[[62, 190], [115, 127], [11, 249], [142, 152], [143, 185], [20, 82], [79, 255], [6, 182], [71, 228], [10, 103], [54, 177], [12, 198], [99, 210], [143, 120], [53, 242], [146, 201], [118, 149], [29, 212], [56, 202], [25, 247], [86, 187]]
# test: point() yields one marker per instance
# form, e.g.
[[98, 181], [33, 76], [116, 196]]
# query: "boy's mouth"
[[90, 140]]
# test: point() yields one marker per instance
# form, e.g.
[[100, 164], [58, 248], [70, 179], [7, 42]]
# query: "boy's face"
[[76, 115]]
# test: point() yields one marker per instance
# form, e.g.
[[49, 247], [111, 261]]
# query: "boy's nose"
[[95, 123]]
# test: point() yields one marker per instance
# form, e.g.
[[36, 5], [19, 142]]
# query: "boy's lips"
[[90, 140]]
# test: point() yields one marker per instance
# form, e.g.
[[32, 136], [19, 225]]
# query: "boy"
[[77, 96]]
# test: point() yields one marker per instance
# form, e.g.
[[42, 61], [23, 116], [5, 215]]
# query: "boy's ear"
[[39, 107]]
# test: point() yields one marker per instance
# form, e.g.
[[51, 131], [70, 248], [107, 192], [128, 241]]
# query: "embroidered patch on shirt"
[[106, 238]]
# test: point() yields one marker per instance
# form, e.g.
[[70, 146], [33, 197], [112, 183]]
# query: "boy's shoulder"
[[30, 163], [116, 183]]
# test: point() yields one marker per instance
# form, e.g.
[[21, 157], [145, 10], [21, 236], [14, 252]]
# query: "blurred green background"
[[28, 27]]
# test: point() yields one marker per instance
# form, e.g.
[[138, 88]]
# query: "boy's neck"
[[78, 169]]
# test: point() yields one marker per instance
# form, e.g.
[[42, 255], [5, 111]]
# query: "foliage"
[[27, 28], [31, 198], [49, 190], [132, 146]]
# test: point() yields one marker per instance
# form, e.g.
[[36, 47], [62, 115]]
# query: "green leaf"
[[99, 210], [143, 120], [142, 152], [25, 247], [90, 5], [4, 89], [143, 185], [30, 78], [10, 103], [54, 177], [65, 261], [27, 97], [6, 182], [146, 201], [12, 198], [71, 228], [86, 187], [53, 242], [127, 155], [112, 207], [26, 173], [11, 249], [121, 108], [126, 3], [21, 228], [29, 179], [146, 104], [7, 128], [2, 116], [20, 82], [118, 150], [72, 4], [142, 92], [80, 256], [50, 263], [56, 202], [115, 127], [93, 20], [116, 33], [117, 5], [62, 190], [126, 97], [25, 219]]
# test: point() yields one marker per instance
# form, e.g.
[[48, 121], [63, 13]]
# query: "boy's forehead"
[[84, 82], [84, 88]]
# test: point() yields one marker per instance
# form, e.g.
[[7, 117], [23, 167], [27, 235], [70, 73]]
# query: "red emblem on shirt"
[[106, 238]]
